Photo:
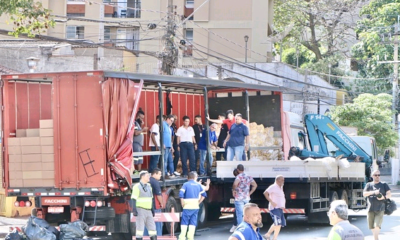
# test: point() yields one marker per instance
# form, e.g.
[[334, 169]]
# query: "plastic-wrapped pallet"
[[261, 136]]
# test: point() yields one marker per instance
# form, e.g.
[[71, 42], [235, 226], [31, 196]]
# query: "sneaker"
[[233, 228], [184, 176], [176, 173], [136, 172], [202, 175]]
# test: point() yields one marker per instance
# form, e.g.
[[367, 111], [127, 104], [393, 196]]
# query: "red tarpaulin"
[[120, 102]]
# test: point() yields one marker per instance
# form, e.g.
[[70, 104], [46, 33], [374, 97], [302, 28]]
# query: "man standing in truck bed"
[[191, 194], [142, 207]]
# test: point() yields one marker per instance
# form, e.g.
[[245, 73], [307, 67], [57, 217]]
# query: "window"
[[75, 32], [128, 38], [189, 4], [107, 34], [189, 35]]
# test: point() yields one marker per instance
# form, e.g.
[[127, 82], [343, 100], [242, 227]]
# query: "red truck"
[[67, 139]]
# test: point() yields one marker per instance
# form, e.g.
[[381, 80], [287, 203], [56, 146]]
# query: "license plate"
[[55, 209], [232, 201]]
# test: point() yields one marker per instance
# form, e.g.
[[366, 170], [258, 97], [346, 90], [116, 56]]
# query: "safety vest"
[[143, 194]]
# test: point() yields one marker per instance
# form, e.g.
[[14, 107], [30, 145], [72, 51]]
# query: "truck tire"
[[103, 213], [202, 215], [344, 196], [172, 203], [334, 196], [121, 236]]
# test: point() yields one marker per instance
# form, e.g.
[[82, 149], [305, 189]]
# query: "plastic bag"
[[34, 232], [14, 235], [41, 222], [73, 230]]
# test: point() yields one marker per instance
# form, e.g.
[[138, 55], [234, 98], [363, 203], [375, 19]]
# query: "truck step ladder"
[[86, 210]]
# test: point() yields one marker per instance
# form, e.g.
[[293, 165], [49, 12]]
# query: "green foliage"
[[290, 56], [375, 31], [372, 115], [28, 16], [321, 26]]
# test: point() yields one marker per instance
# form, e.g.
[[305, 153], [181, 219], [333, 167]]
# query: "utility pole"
[[169, 56], [305, 94], [395, 85]]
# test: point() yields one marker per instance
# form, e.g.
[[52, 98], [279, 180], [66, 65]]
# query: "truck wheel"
[[103, 213], [344, 196], [334, 196], [202, 215], [172, 203]]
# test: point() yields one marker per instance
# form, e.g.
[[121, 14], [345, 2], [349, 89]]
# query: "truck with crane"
[[90, 153]]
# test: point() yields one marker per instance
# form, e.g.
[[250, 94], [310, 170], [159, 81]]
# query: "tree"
[[375, 31], [28, 16], [372, 115], [322, 26]]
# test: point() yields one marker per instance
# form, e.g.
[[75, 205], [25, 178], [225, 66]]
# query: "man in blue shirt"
[[191, 194], [203, 148], [249, 229], [237, 140], [167, 139]]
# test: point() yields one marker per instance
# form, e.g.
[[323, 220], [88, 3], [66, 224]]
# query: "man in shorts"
[[276, 198], [376, 191]]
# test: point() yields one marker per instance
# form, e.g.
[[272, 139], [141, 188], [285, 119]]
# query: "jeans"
[[168, 163], [176, 156], [239, 205], [187, 151], [203, 155], [197, 158], [154, 159], [235, 151], [158, 226]]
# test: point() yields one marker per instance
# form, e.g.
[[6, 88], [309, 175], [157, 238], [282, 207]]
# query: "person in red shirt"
[[229, 121]]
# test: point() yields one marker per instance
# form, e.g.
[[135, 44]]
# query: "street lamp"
[[32, 63], [246, 39]]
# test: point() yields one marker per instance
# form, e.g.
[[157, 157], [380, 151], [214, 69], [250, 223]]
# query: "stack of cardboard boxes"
[[31, 156]]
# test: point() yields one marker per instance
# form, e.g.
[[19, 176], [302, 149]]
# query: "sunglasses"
[[377, 175]]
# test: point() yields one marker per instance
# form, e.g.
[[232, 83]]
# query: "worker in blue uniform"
[[191, 194]]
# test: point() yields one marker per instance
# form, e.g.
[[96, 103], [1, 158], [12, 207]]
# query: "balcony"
[[123, 9]]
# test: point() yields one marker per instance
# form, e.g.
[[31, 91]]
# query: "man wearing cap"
[[142, 207], [191, 194]]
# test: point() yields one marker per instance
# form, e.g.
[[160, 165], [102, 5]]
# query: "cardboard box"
[[47, 141], [32, 175], [14, 150], [48, 166], [30, 149], [14, 141], [33, 166], [38, 183], [47, 123], [14, 158], [16, 183], [31, 158], [47, 149], [15, 166], [16, 175], [20, 133], [32, 132], [46, 132], [47, 157], [30, 141]]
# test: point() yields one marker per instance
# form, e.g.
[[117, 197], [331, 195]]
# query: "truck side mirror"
[[386, 156]]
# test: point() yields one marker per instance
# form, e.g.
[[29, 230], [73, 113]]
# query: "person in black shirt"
[[175, 145], [198, 130], [376, 192], [222, 136]]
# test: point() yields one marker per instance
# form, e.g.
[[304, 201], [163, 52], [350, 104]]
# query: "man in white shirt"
[[154, 143], [186, 146]]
